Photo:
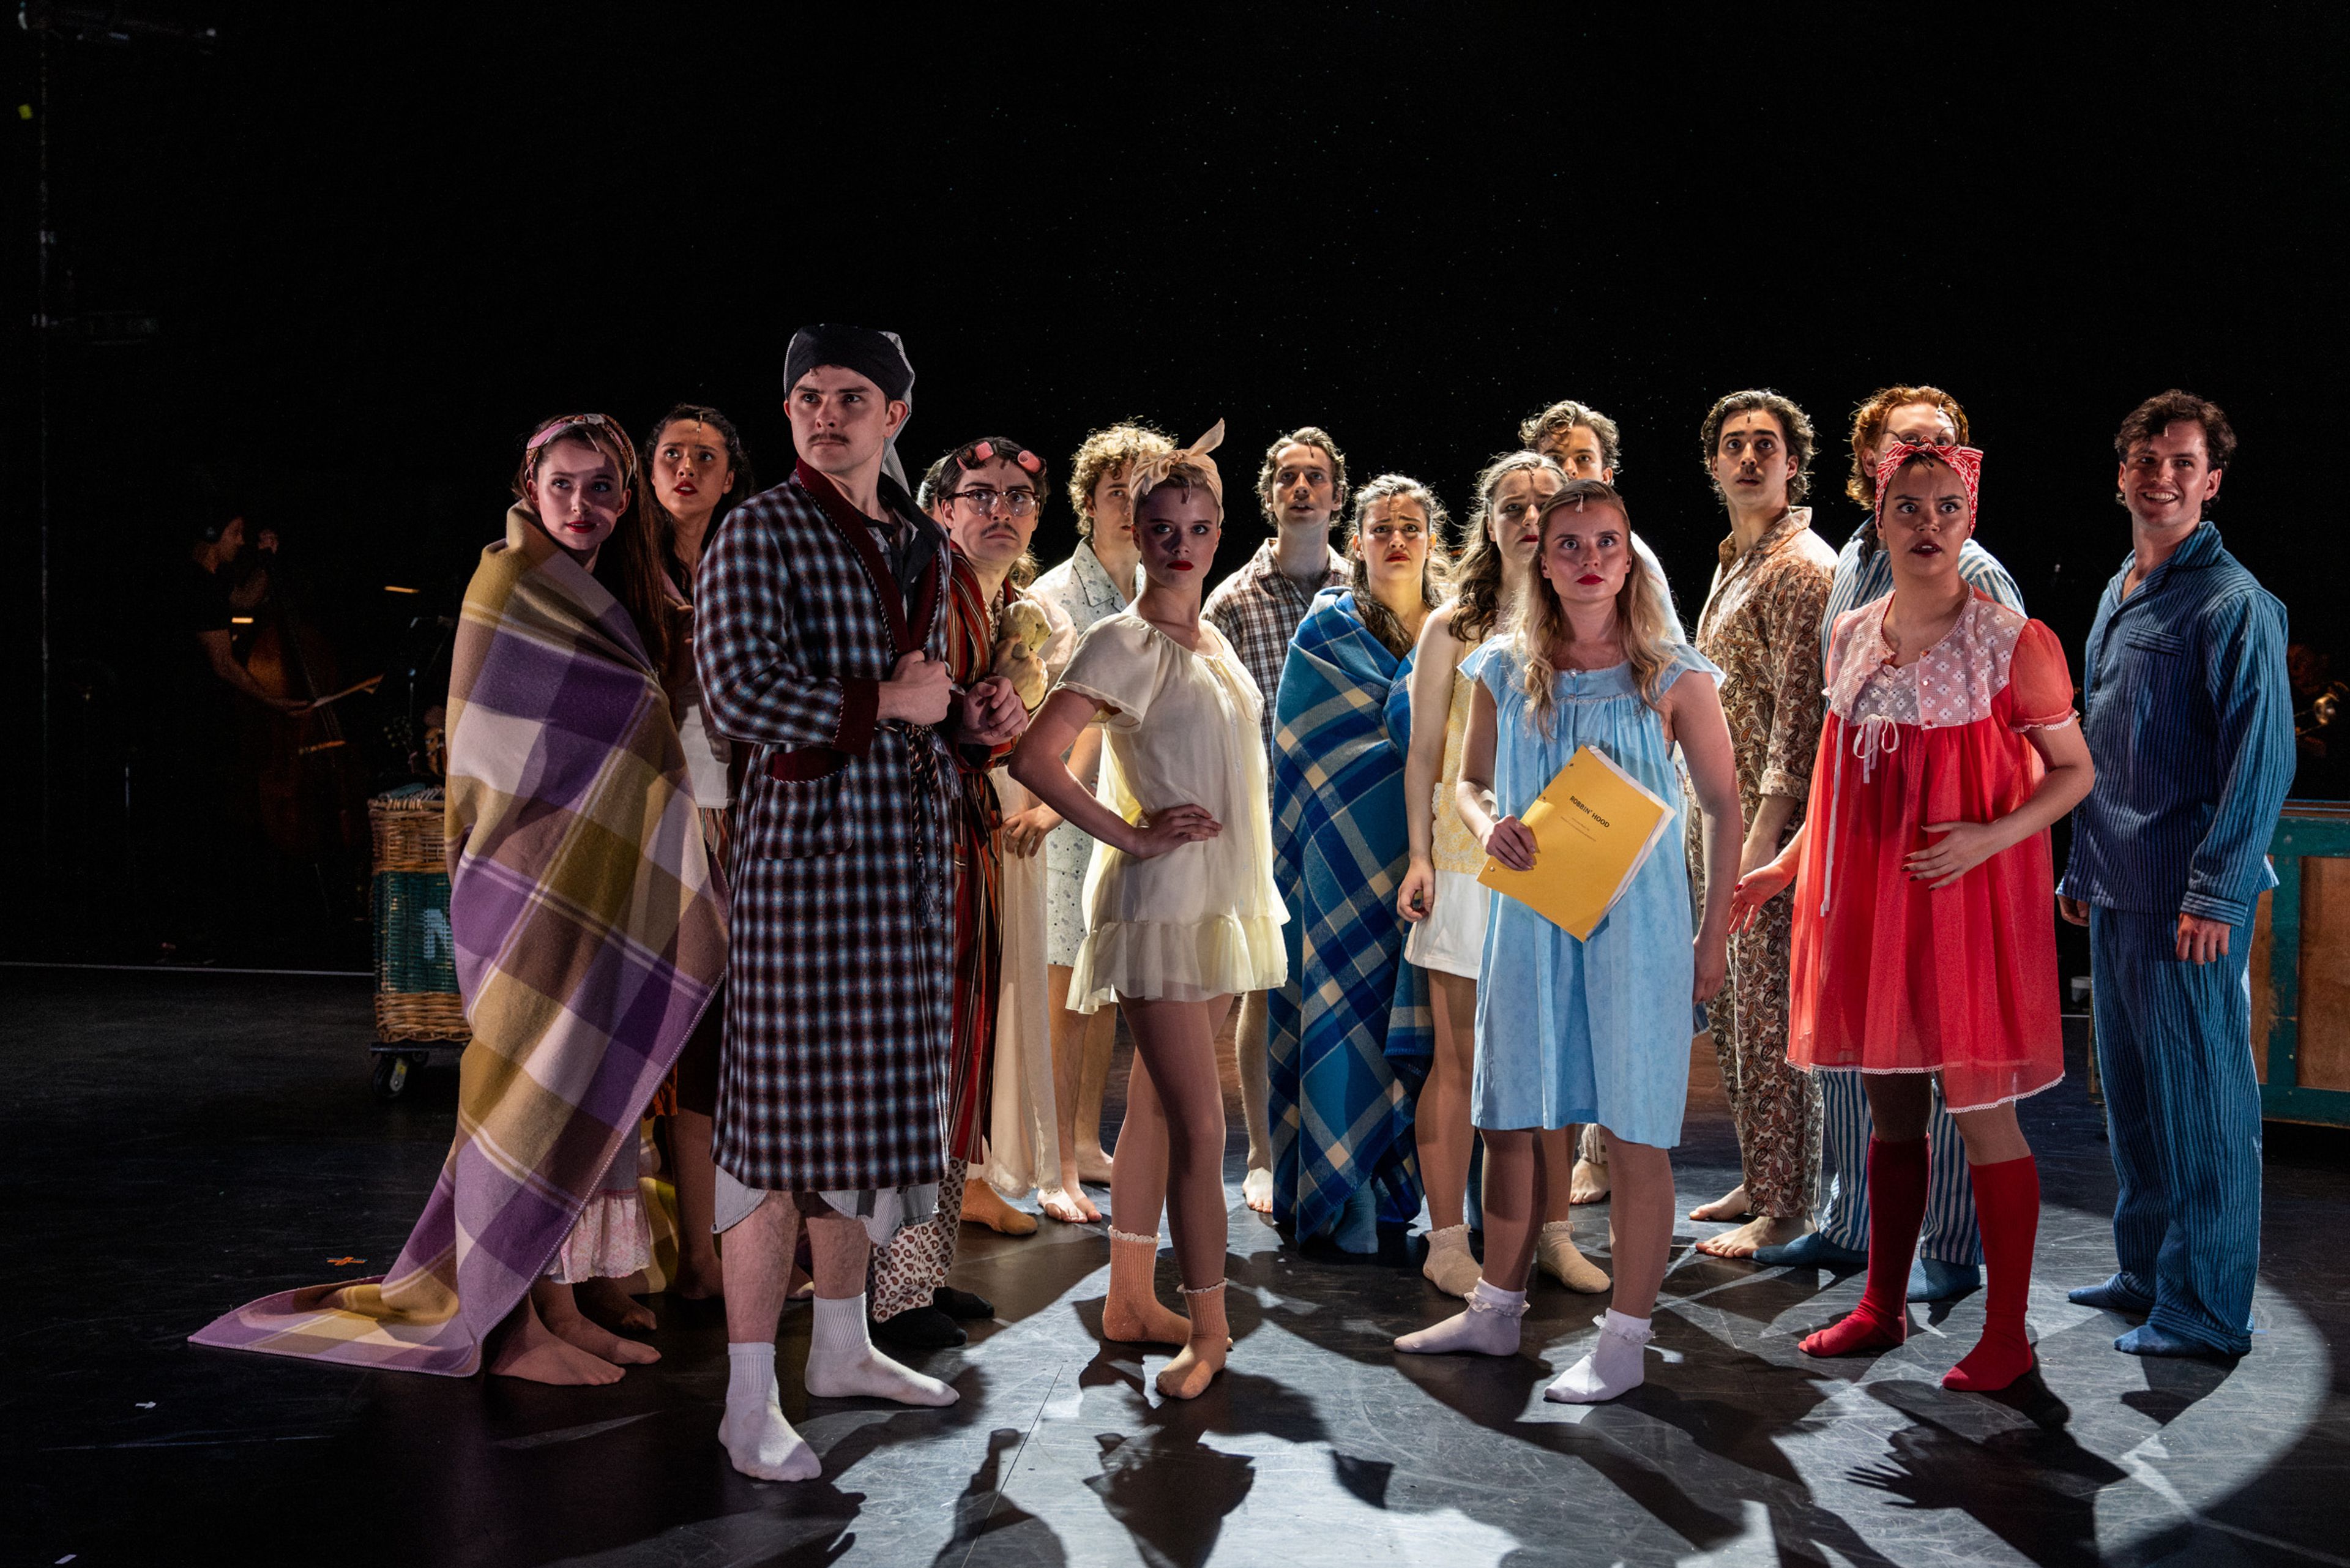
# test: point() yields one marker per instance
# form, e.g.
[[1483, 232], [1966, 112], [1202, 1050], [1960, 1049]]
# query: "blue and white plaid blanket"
[[1351, 1036]]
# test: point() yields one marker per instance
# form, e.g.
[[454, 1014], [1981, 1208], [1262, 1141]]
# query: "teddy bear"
[[1023, 631]]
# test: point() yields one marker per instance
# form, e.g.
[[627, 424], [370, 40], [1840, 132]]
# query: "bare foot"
[[1256, 1189], [1590, 1182], [1146, 1321], [1763, 1231], [1730, 1207], [560, 1312], [608, 1304], [1069, 1205], [1094, 1166], [982, 1205], [535, 1354]]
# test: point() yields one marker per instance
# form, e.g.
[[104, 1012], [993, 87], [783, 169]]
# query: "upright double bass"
[[312, 782]]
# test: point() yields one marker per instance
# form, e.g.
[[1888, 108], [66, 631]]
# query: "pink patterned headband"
[[1965, 461], [555, 427]]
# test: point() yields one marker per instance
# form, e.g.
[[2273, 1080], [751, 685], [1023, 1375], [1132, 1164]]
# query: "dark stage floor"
[[182, 1143]]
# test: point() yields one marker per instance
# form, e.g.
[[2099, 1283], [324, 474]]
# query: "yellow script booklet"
[[1593, 828]]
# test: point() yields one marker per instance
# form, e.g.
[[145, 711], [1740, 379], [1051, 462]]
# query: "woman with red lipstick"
[[697, 470], [1588, 1029], [1341, 1082], [1181, 910], [1924, 937]]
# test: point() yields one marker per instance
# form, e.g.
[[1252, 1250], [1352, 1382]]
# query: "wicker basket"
[[415, 969]]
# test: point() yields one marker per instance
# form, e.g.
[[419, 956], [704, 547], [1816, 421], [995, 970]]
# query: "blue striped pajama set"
[[1949, 1235], [2188, 716]]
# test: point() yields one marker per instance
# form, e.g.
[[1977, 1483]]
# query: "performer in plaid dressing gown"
[[821, 643]]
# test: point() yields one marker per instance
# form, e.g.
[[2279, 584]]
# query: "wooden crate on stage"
[[415, 961], [2300, 969]]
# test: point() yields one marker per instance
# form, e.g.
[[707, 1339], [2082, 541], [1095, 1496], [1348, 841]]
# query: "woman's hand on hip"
[[1172, 829]]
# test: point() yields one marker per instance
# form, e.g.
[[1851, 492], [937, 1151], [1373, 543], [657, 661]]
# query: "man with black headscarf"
[[820, 638]]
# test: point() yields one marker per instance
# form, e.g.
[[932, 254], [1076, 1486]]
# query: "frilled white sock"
[[757, 1438], [1490, 1327], [1614, 1366], [843, 1364]]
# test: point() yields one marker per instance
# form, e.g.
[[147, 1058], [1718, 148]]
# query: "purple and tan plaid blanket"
[[590, 933]]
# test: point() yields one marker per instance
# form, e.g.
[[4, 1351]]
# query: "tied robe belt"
[[812, 763]]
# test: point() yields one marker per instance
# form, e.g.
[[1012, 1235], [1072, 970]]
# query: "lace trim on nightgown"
[[2020, 1094], [611, 1239], [1953, 683]]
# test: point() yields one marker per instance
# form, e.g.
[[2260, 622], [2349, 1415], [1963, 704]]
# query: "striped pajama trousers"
[[2183, 1109], [1949, 1235]]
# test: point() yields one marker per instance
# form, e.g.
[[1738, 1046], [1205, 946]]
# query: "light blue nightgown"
[[1594, 1031]]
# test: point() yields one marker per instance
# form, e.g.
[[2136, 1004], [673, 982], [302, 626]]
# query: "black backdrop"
[[376, 243]]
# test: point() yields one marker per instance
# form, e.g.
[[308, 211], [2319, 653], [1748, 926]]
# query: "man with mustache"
[[1762, 624], [1950, 1247], [821, 641], [1301, 485], [2188, 710]]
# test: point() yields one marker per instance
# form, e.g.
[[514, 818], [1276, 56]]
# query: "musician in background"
[[219, 582], [196, 833]]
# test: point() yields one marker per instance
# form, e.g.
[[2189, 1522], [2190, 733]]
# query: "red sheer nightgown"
[[1889, 976]]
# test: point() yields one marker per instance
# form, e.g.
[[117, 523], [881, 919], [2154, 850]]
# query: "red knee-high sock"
[[1897, 1177], [2007, 1206]]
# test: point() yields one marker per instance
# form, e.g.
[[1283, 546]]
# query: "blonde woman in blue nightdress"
[[1598, 1030]]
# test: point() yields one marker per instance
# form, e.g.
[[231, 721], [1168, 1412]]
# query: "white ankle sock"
[[757, 1438], [1490, 1327], [843, 1364], [1615, 1366]]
